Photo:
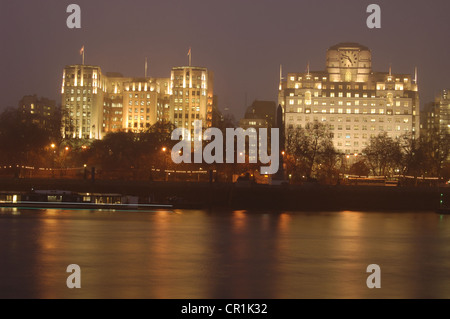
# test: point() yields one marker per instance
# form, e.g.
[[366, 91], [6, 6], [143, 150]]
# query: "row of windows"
[[197, 116], [72, 99], [180, 77], [308, 101], [187, 100], [184, 124], [136, 103], [136, 110], [78, 114], [85, 84], [198, 86], [320, 86], [72, 91], [349, 119], [364, 143], [136, 125], [136, 118], [194, 92], [363, 128], [77, 122], [40, 113], [193, 108], [136, 96], [351, 111], [356, 86]]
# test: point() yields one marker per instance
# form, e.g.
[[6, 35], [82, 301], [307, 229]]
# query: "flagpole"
[[190, 56], [146, 67], [83, 55]]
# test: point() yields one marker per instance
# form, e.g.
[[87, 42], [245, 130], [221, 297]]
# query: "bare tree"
[[384, 155], [307, 146]]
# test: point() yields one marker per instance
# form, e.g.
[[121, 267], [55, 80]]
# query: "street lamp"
[[164, 149]]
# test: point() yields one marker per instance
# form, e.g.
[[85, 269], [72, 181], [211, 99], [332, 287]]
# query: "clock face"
[[349, 58]]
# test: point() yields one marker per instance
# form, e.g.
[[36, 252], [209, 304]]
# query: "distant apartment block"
[[436, 116], [261, 114], [40, 109]]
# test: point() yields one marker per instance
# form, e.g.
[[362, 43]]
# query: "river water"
[[179, 254]]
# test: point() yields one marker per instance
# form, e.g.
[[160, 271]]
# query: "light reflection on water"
[[238, 254]]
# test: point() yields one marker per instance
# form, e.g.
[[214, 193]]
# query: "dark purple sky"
[[242, 41]]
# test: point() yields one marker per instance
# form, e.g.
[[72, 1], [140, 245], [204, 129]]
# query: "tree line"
[[309, 152], [311, 155]]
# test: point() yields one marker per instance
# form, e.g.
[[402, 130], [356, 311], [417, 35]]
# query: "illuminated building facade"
[[355, 102], [94, 103], [83, 91], [146, 101], [192, 96]]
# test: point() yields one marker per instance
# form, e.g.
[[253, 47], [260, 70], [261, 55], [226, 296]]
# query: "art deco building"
[[113, 102], [146, 101], [353, 100], [83, 92], [95, 103], [192, 95]]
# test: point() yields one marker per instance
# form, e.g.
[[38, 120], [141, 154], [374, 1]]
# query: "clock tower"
[[349, 62]]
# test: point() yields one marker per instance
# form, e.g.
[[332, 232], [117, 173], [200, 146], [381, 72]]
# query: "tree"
[[307, 146], [436, 151], [384, 155], [328, 162], [22, 139], [360, 168]]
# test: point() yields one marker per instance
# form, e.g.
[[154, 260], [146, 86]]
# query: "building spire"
[[390, 70], [307, 68]]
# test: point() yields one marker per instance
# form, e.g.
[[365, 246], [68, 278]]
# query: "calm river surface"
[[216, 254]]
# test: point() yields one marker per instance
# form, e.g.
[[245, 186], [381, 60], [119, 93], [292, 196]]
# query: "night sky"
[[242, 41]]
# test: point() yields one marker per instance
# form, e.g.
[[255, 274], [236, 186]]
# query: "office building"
[[355, 102]]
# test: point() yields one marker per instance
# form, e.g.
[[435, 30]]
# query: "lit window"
[[308, 98]]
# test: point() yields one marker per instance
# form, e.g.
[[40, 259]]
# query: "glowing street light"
[[53, 145], [164, 149]]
